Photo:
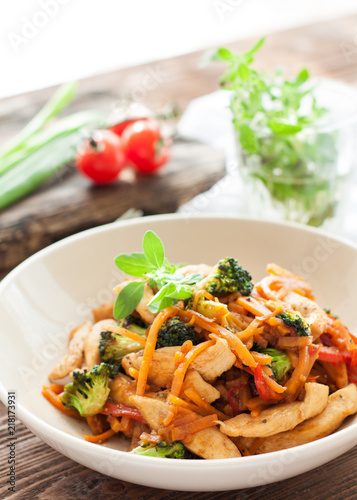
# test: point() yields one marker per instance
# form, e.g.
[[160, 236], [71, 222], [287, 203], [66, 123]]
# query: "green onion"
[[49, 156], [62, 127], [60, 100]]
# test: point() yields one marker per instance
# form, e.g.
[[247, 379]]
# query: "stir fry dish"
[[199, 362]]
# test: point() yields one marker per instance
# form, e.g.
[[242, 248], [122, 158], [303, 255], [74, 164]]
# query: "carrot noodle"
[[150, 438], [274, 386], [56, 388], [291, 342], [188, 418], [263, 359], [193, 395], [253, 306], [267, 370], [262, 341], [258, 403], [150, 347], [340, 335], [95, 424], [255, 446], [234, 306], [186, 347], [254, 326], [184, 431], [126, 423], [307, 358], [53, 398], [277, 270], [170, 416], [178, 358], [192, 321], [240, 321], [133, 372], [126, 333], [199, 294], [115, 424], [174, 400], [182, 368], [233, 341], [101, 437]]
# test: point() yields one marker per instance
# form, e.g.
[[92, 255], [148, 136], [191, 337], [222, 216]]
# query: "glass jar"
[[304, 177]]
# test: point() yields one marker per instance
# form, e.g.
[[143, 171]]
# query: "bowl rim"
[[33, 421]]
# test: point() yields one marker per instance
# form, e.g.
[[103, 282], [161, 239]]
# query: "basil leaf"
[[302, 77], [128, 298], [284, 128], [159, 306], [255, 48], [135, 264], [224, 54], [153, 249], [163, 292], [244, 72], [247, 139], [192, 278]]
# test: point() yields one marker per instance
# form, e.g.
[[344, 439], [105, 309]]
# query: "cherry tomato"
[[144, 146], [101, 157], [126, 114], [119, 128]]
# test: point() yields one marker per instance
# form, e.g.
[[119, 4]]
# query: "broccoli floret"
[[227, 277], [174, 332], [164, 450], [295, 320], [113, 347], [134, 324], [280, 363], [89, 390]]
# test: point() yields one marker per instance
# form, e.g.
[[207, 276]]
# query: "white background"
[[85, 37]]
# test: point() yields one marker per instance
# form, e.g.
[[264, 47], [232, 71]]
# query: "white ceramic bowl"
[[55, 289]]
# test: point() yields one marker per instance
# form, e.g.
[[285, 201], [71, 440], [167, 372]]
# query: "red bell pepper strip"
[[333, 355], [119, 410], [232, 395], [264, 391]]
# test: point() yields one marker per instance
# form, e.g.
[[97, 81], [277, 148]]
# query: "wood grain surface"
[[328, 49]]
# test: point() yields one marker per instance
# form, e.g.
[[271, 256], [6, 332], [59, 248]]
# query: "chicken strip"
[[162, 366], [280, 417], [214, 361], [121, 389], [208, 443], [211, 444], [72, 360], [207, 392], [104, 311], [142, 307], [210, 364], [91, 343], [340, 405], [313, 314]]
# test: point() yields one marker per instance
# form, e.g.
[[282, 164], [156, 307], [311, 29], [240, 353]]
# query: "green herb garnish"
[[157, 272]]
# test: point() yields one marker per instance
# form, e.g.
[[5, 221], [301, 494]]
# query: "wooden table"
[[328, 49]]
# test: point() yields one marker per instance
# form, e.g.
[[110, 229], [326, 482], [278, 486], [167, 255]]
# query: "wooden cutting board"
[[69, 203]]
